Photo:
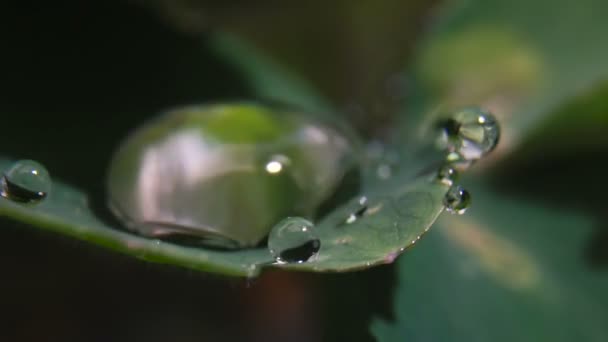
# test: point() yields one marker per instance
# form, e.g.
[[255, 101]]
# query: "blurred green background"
[[77, 77]]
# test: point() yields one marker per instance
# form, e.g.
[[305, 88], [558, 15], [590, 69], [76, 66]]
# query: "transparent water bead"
[[358, 210], [457, 200], [26, 181], [225, 174], [447, 174], [469, 134], [293, 240]]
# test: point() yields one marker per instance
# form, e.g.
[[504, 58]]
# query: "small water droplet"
[[469, 134], [293, 240], [360, 208], [457, 200], [447, 174], [26, 181]]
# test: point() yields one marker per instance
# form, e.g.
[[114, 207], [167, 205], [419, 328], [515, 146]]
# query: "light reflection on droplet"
[[276, 164], [274, 167]]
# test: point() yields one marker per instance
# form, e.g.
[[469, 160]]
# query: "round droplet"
[[224, 174], [293, 240], [457, 200], [447, 174], [26, 181], [469, 134], [359, 208]]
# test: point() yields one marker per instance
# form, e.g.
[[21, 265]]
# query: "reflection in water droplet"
[[222, 175], [26, 181], [293, 240], [360, 210], [447, 174], [277, 163], [457, 200], [469, 134]]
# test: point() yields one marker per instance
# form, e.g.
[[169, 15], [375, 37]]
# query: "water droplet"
[[293, 240], [221, 175], [359, 210], [457, 200], [469, 134], [447, 174], [26, 181]]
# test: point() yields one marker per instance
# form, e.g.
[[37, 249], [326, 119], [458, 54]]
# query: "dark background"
[[76, 77]]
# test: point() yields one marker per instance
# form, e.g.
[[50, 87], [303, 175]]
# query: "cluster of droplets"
[[467, 136], [26, 181]]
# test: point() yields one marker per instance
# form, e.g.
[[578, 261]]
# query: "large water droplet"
[[457, 200], [223, 174], [469, 134], [293, 240], [447, 174], [26, 181]]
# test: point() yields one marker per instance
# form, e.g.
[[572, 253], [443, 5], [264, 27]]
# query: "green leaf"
[[66, 211], [520, 59], [399, 210], [509, 270], [398, 214], [267, 78], [396, 217]]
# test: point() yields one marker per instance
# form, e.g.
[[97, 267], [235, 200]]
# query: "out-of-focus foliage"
[[519, 59], [352, 51], [513, 269], [510, 270]]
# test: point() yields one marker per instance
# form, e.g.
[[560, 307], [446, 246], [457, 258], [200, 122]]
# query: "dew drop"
[[457, 200], [293, 240], [359, 209], [27, 181], [469, 134], [447, 174], [222, 175]]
